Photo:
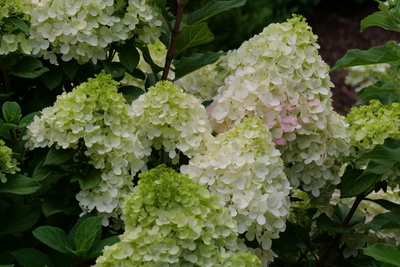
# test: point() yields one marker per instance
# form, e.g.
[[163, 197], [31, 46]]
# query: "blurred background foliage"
[[232, 28]]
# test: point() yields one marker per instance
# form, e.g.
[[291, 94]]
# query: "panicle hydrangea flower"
[[94, 114], [167, 117], [363, 76], [243, 167], [8, 164], [371, 125], [83, 29], [174, 221], [10, 39], [279, 77]]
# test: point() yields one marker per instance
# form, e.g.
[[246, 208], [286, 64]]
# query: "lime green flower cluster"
[[168, 117], [243, 167], [8, 164], [95, 118], [371, 125], [12, 40], [174, 221]]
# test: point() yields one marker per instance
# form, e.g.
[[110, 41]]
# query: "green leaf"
[[150, 81], [72, 233], [29, 257], [340, 213], [42, 171], [70, 68], [52, 78], [11, 112], [128, 56], [166, 34], [51, 206], [361, 262], [386, 204], [195, 62], [381, 20], [91, 180], [28, 67], [355, 182], [20, 24], [387, 220], [147, 57], [375, 55], [4, 132], [54, 237], [386, 93], [323, 222], [97, 248], [192, 36], [116, 69], [10, 126], [131, 92], [16, 219], [383, 253], [19, 184], [212, 8], [87, 232], [56, 157]]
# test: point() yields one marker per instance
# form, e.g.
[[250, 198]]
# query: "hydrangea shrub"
[[174, 221], [8, 164]]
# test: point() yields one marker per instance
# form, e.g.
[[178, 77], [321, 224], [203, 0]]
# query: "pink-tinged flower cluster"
[[279, 77]]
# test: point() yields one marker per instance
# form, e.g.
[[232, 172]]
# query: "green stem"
[[175, 33], [346, 221]]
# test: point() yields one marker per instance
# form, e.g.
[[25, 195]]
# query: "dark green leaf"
[[42, 171], [70, 68], [4, 132], [386, 93], [128, 56], [323, 222], [116, 69], [91, 180], [28, 67], [361, 262], [72, 233], [54, 237], [10, 126], [147, 57], [11, 112], [29, 257], [340, 213], [51, 206], [16, 219], [381, 20], [131, 92], [375, 55], [56, 157], [87, 232], [386, 204], [52, 78], [150, 81], [193, 36], [388, 220], [188, 65], [138, 74], [20, 24], [212, 8], [19, 184], [384, 253], [97, 248], [166, 34], [354, 183]]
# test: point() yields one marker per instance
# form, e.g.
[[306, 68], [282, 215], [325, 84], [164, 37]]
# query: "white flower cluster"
[[83, 29], [369, 209], [200, 83], [279, 77], [167, 117], [12, 40], [8, 164], [363, 76], [243, 167], [95, 118]]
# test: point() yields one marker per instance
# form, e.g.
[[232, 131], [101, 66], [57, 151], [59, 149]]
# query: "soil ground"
[[338, 33]]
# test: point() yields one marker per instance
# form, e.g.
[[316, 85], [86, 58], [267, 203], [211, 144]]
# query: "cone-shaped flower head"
[[371, 125], [243, 167], [83, 29], [8, 164], [168, 117], [94, 117], [174, 221], [279, 77]]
